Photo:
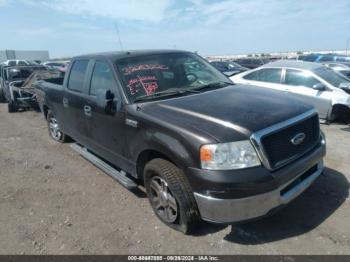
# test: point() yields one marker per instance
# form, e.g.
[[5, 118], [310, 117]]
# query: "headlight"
[[227, 156]]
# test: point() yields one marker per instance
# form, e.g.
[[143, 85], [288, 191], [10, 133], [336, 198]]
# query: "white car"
[[54, 64], [313, 83]]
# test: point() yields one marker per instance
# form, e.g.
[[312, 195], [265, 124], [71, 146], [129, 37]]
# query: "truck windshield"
[[330, 76], [164, 74]]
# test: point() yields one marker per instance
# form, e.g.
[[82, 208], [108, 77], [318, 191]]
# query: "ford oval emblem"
[[298, 139]]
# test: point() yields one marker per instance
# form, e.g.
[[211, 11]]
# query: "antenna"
[[118, 35]]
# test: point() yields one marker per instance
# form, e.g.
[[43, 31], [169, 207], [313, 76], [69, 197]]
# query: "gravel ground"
[[52, 201]]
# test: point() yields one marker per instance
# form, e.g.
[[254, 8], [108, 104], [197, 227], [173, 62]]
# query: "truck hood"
[[229, 113]]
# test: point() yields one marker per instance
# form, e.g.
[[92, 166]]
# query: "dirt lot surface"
[[52, 201]]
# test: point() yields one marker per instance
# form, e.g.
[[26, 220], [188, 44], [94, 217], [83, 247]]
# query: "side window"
[[300, 78], [102, 78], [271, 75], [77, 75], [252, 76]]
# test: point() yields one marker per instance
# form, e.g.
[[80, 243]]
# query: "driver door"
[[107, 129]]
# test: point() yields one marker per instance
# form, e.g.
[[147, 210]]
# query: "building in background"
[[24, 55]]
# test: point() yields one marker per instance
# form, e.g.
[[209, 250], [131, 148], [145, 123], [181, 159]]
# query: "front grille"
[[278, 147]]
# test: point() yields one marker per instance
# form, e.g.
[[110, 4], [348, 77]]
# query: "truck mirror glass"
[[106, 100]]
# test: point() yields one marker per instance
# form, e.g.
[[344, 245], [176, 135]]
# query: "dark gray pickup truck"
[[203, 147]]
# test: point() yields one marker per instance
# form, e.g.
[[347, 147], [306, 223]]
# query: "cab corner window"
[[77, 75], [102, 78]]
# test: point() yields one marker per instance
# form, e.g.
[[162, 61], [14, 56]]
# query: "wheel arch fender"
[[166, 147]]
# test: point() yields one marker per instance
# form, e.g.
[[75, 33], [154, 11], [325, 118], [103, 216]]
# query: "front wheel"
[[170, 195], [340, 113], [54, 128]]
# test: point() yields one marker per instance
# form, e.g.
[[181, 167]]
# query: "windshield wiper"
[[218, 84], [169, 92]]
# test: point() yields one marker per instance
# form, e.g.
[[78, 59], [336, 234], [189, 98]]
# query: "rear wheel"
[[54, 128], [170, 195]]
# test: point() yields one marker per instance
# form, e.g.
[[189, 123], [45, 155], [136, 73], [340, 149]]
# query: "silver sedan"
[[313, 83]]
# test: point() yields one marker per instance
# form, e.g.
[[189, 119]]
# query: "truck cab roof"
[[116, 55]]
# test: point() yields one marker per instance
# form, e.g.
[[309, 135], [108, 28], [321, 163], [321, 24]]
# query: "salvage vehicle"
[[204, 148], [311, 82], [228, 68], [14, 92]]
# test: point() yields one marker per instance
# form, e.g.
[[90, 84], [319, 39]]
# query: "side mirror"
[[319, 87], [106, 100]]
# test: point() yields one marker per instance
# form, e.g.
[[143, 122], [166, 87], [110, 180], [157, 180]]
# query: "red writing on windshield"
[[147, 83], [131, 69]]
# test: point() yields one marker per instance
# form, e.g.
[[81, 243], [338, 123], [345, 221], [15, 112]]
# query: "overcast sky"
[[72, 27]]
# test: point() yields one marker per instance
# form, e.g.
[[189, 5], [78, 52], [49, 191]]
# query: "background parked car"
[[228, 68], [252, 63], [311, 82], [340, 68], [322, 58]]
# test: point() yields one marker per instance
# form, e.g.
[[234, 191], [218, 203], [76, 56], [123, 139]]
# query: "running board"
[[120, 176]]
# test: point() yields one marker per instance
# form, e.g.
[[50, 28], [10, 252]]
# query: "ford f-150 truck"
[[203, 148]]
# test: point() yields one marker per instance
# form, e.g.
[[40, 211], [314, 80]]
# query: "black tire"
[[340, 113], [11, 107], [54, 131], [2, 96], [187, 215]]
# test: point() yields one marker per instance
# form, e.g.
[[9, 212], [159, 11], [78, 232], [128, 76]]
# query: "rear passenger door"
[[74, 100]]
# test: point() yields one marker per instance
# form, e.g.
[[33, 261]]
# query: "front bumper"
[[234, 210], [240, 195]]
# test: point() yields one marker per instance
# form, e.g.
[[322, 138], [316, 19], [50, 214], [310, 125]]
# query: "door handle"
[[65, 102], [87, 110]]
